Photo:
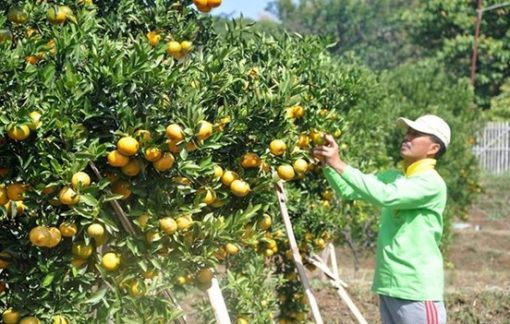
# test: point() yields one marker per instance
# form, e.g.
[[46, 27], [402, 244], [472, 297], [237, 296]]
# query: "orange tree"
[[187, 131]]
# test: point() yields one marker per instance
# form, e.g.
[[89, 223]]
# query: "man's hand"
[[329, 154]]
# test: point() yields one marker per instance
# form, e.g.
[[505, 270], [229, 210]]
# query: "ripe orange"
[[111, 261], [78, 263], [286, 172], [11, 316], [59, 319], [218, 171], [204, 9], [143, 136], [184, 222], [68, 196], [18, 132], [186, 46], [55, 237], [128, 146], [68, 230], [201, 3], [133, 168], [327, 195], [239, 188], [173, 146], [174, 48], [174, 132], [3, 196], [80, 179], [300, 166], [168, 225], [153, 38], [96, 230], [209, 197], [303, 141], [56, 16], [265, 223], [228, 177], [40, 236], [15, 191], [205, 130], [117, 159], [143, 220], [213, 3], [35, 116], [277, 147], [317, 137], [122, 188], [29, 320], [250, 160], [152, 154], [231, 249], [136, 289], [33, 59], [165, 163]]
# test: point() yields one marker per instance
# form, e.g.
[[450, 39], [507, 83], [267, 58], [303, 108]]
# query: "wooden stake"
[[339, 285], [218, 303], [282, 201], [334, 264]]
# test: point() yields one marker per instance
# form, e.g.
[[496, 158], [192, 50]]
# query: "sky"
[[249, 8]]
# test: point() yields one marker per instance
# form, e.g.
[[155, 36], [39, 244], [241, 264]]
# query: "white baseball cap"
[[428, 124]]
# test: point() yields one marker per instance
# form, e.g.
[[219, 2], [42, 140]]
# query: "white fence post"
[[493, 147]]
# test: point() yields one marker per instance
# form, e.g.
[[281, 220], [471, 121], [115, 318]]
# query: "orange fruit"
[[209, 197], [18, 132], [33, 59], [173, 146], [143, 136], [153, 38], [80, 180], [204, 276], [111, 261], [213, 3], [96, 230], [174, 132], [152, 236], [40, 236], [303, 141], [2, 287], [122, 188], [16, 15], [186, 46], [128, 146], [218, 171], [201, 3], [68, 196], [68, 229], [250, 160], [35, 116], [117, 159], [20, 207], [152, 154], [15, 191], [11, 316], [59, 319], [205, 130], [190, 147], [143, 220], [5, 260], [136, 289], [277, 147], [56, 16], [327, 195], [82, 250], [300, 166], [184, 222], [228, 177], [133, 168], [286, 172], [55, 237], [231, 249], [168, 225], [265, 223], [239, 188], [165, 163], [5, 35], [3, 196], [204, 9], [317, 137], [174, 48], [78, 263]]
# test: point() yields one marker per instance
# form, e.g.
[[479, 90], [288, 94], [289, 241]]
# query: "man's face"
[[417, 146]]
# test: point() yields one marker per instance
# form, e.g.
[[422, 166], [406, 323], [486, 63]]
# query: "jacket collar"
[[419, 167]]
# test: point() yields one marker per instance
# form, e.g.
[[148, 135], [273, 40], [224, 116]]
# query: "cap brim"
[[407, 123]]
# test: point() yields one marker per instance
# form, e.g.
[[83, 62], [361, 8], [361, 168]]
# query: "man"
[[409, 269]]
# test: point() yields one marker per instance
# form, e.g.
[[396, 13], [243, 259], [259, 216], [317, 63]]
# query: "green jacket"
[[409, 262]]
